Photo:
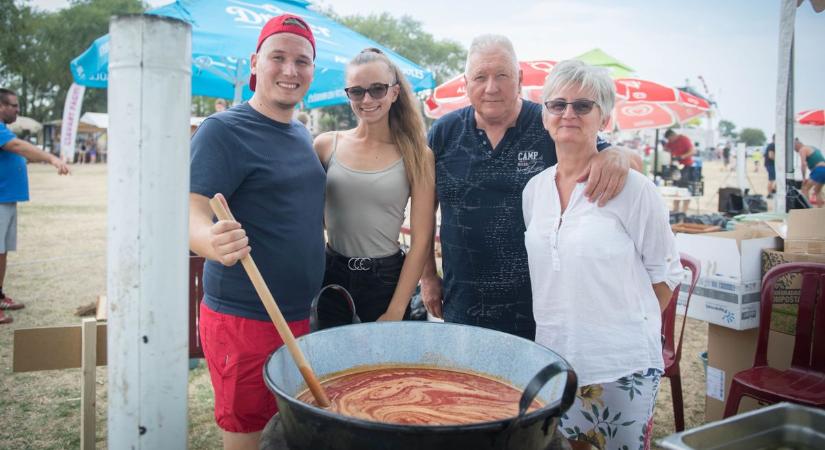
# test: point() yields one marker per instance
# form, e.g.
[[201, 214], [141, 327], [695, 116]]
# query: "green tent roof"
[[597, 57]]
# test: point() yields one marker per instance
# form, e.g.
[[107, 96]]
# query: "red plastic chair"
[[672, 348], [195, 296], [804, 382]]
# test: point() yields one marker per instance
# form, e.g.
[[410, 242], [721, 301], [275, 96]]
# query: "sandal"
[[9, 304], [4, 318]]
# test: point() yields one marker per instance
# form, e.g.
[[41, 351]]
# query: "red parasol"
[[640, 104], [814, 117]]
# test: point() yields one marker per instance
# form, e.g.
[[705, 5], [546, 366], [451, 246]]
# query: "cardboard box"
[[727, 293], [730, 352], [805, 242], [786, 290], [49, 348], [806, 231]]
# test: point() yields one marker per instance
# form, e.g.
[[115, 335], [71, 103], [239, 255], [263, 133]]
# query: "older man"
[[14, 186], [264, 163], [485, 154]]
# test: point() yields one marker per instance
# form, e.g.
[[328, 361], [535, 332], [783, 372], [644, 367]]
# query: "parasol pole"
[[655, 155]]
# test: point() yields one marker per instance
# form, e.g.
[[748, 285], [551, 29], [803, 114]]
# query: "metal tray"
[[776, 427]]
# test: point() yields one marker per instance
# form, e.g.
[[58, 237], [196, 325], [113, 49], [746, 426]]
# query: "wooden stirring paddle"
[[223, 213]]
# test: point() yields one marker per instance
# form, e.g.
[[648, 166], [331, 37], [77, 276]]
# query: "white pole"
[[710, 142], [147, 279], [238, 83], [741, 166], [784, 96]]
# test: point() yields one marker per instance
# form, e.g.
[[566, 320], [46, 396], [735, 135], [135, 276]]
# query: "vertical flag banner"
[[71, 120]]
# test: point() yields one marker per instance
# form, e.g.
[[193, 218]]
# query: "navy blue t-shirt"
[[274, 184], [486, 277]]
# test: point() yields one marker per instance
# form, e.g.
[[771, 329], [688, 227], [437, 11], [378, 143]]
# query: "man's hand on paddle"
[[227, 239], [223, 241]]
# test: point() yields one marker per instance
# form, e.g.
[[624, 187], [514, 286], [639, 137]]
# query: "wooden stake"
[[87, 387]]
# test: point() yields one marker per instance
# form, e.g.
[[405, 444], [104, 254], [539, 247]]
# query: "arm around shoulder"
[[606, 175]]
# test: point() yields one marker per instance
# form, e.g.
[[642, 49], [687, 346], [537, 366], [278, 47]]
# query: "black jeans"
[[370, 281]]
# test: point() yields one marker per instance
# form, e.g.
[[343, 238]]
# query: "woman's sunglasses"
[[377, 91], [580, 107]]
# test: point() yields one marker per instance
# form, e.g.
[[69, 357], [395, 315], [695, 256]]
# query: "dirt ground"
[[61, 264]]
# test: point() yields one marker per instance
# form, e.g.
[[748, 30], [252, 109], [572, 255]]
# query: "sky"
[[732, 44]]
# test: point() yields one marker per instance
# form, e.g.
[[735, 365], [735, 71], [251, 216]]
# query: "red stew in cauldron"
[[419, 396]]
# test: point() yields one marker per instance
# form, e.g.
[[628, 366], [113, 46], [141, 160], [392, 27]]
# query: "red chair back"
[[195, 296], [809, 344], [671, 344]]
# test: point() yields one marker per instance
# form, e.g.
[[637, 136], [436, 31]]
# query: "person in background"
[[373, 170], [726, 156], [770, 166], [484, 156], [303, 118], [220, 105], [756, 156], [262, 161], [601, 277], [681, 150], [14, 186], [813, 161]]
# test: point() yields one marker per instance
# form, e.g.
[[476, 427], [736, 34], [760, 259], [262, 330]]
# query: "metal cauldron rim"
[[528, 418]]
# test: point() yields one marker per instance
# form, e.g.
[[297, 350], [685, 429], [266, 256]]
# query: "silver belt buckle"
[[359, 264]]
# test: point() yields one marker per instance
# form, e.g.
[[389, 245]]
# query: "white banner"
[[71, 119]]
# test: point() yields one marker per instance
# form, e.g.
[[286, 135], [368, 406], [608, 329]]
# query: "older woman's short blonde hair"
[[594, 80]]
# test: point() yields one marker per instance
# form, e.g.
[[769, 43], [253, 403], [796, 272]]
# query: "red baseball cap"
[[285, 23]]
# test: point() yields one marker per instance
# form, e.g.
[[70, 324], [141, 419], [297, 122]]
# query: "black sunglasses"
[[580, 107], [377, 91]]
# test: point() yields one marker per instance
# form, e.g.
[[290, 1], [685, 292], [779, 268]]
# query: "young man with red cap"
[[263, 162]]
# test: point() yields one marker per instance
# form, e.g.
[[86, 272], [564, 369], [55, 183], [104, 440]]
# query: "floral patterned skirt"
[[616, 415]]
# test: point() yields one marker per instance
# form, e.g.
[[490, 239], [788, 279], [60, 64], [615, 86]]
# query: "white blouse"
[[591, 270]]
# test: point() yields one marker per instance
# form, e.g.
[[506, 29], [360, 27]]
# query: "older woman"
[[600, 276]]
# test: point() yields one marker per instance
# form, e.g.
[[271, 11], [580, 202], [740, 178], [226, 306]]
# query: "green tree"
[[726, 129], [37, 47], [69, 32], [752, 137], [405, 36], [21, 33]]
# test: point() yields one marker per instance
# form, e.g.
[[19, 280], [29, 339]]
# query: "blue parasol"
[[224, 34]]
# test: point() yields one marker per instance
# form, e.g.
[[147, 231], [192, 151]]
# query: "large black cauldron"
[[523, 363]]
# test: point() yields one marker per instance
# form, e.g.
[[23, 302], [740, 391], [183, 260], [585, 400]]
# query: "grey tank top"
[[364, 209]]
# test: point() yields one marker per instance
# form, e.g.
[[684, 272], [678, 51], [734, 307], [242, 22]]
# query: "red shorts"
[[236, 349]]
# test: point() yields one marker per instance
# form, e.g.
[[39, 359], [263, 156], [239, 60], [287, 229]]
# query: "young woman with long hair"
[[373, 170]]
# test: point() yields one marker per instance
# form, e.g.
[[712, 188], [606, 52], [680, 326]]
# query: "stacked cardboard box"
[[727, 293], [804, 242], [729, 351]]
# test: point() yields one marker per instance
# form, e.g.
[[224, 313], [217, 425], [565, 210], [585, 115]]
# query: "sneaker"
[[9, 304], [4, 318]]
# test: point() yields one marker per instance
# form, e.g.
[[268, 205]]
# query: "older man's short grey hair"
[[593, 80], [488, 42]]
